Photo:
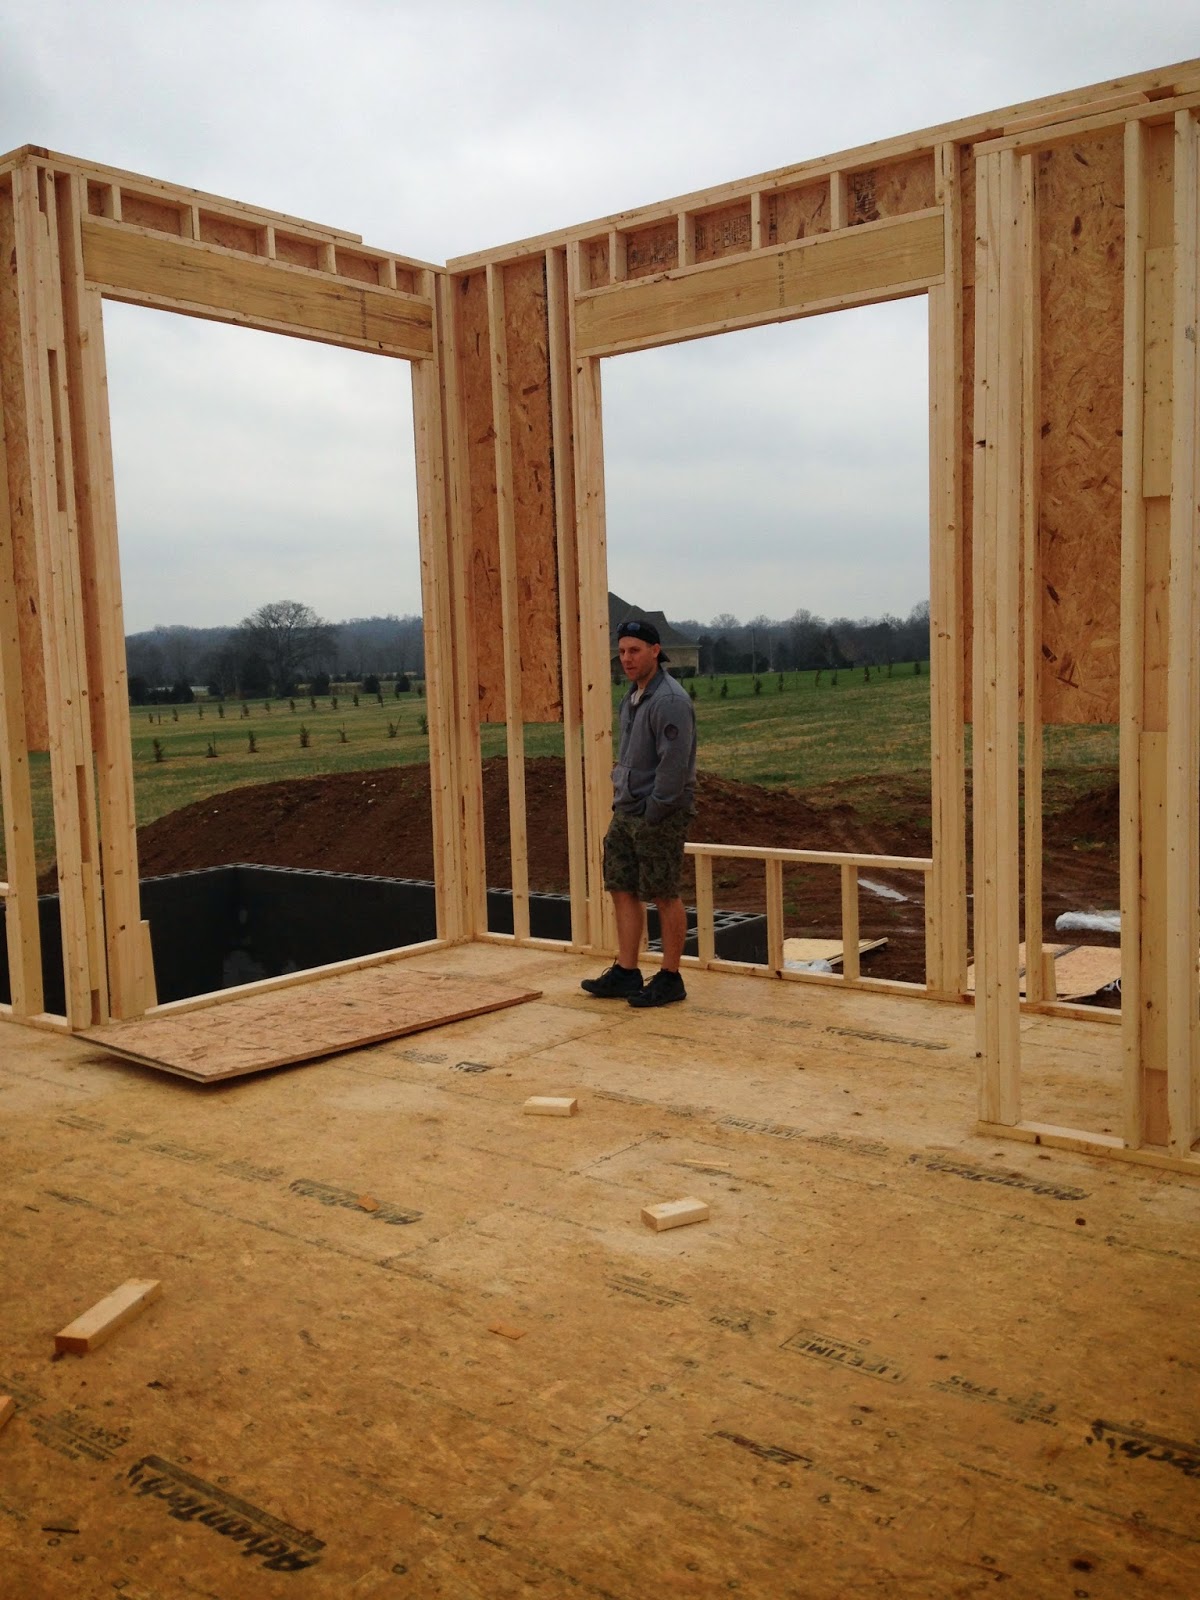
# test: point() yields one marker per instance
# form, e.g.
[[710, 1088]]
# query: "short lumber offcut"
[[674, 1214], [89, 1331], [8, 1407], [550, 1105]]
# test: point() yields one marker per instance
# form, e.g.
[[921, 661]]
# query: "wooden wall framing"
[[73, 234], [1056, 244]]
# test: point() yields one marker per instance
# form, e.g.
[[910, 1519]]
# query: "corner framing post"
[[997, 558], [558, 327], [1029, 269], [514, 715], [22, 932], [472, 891], [127, 937], [1183, 719], [1158, 691], [52, 476], [946, 889], [437, 604], [594, 655], [1133, 628]]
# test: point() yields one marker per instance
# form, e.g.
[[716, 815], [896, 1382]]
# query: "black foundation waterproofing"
[[221, 926]]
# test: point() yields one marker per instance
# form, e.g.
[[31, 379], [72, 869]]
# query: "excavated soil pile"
[[379, 823]]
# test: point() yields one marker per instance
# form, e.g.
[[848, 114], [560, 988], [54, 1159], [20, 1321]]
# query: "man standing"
[[654, 794]]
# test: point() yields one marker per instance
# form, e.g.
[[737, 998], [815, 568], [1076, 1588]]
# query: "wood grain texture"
[[206, 281], [14, 408], [98, 1324], [322, 1018], [873, 262]]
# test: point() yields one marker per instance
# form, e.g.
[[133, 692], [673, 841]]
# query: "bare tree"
[[289, 638]]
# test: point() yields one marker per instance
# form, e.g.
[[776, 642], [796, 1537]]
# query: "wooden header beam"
[[207, 280], [882, 261]]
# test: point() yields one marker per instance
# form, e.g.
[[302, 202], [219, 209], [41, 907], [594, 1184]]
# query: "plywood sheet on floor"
[[1080, 970], [303, 1022], [801, 953], [899, 1359]]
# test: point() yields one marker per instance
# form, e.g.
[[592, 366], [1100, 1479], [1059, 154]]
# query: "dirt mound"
[[379, 823]]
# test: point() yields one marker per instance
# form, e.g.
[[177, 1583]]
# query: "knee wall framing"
[[1056, 246]]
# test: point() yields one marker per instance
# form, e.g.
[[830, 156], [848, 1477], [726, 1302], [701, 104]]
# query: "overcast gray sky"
[[756, 473]]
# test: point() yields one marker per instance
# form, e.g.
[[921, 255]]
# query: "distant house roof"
[[619, 610]]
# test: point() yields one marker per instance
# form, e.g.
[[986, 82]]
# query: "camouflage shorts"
[[645, 858]]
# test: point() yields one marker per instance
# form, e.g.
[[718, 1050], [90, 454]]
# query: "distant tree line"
[[285, 644], [272, 651], [804, 642]]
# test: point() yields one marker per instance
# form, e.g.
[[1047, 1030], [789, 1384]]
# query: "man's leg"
[[661, 861], [631, 923], [623, 979], [672, 924]]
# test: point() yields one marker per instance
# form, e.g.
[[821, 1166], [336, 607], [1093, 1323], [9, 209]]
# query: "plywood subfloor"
[[898, 1360], [279, 1027]]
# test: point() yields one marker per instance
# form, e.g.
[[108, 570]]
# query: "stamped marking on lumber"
[[888, 1038], [551, 1105], [279, 1546], [840, 1353], [1006, 1180], [642, 1289], [90, 1331], [675, 1213], [326, 1194], [1020, 1408], [774, 1453], [1135, 1444], [68, 1433]]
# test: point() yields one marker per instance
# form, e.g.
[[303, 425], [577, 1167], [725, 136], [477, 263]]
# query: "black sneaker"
[[615, 983], [663, 989]]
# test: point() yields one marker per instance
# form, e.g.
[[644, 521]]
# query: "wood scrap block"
[[506, 1330], [550, 1105], [90, 1330], [675, 1213], [368, 1202], [8, 1408]]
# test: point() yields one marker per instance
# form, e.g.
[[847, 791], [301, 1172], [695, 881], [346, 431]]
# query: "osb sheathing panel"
[[721, 233], [527, 345], [240, 236], [594, 259], [891, 190], [1081, 236], [652, 249], [793, 214], [324, 1017], [145, 211], [24, 554], [483, 541]]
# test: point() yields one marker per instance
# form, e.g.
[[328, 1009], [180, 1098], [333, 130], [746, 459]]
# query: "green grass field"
[[804, 736]]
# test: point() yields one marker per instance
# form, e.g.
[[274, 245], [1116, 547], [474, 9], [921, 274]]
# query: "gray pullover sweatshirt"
[[655, 772]]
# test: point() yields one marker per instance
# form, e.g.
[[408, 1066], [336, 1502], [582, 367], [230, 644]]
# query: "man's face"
[[638, 659]]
